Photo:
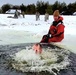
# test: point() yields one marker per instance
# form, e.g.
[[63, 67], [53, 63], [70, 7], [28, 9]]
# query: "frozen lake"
[[15, 34], [28, 30]]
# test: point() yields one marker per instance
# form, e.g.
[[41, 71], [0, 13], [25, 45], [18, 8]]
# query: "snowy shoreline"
[[16, 37]]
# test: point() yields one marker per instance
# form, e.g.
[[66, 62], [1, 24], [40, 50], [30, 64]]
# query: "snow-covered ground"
[[28, 30]]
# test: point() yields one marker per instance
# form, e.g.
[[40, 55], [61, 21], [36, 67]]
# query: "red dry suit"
[[56, 31]]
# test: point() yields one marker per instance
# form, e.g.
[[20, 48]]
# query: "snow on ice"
[[28, 30]]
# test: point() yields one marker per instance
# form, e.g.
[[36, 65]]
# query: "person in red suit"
[[55, 33], [56, 30]]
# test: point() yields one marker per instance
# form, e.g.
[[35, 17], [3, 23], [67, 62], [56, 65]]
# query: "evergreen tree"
[[5, 7]]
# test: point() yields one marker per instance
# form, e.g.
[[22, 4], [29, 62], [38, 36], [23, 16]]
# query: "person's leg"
[[53, 39]]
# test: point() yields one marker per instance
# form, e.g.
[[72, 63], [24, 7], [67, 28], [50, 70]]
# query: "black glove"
[[48, 35]]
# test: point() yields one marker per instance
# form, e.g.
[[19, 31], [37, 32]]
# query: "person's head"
[[56, 14]]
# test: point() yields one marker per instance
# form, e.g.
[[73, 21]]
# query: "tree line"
[[42, 7]]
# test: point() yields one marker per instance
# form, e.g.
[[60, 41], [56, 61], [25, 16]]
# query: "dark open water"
[[6, 68]]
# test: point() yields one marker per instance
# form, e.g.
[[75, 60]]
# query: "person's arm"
[[60, 30], [52, 31]]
